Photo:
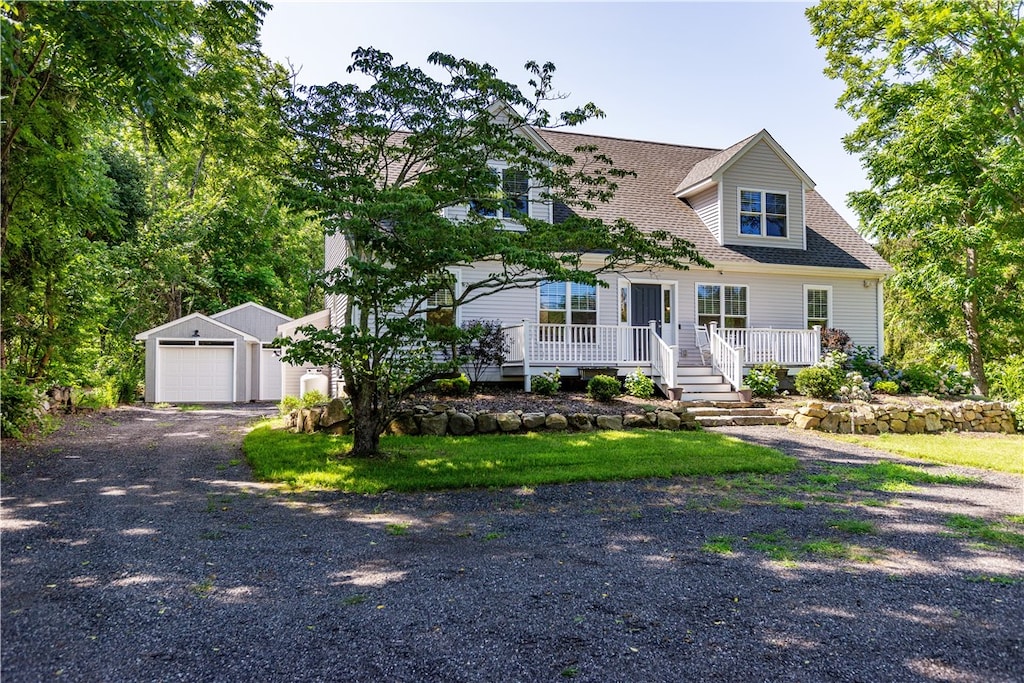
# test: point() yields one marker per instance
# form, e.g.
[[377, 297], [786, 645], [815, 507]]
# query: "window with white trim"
[[763, 214], [818, 304], [570, 303], [512, 192], [440, 308], [724, 305]]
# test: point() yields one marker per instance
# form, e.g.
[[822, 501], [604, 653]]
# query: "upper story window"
[[763, 213], [440, 308], [513, 189], [568, 303]]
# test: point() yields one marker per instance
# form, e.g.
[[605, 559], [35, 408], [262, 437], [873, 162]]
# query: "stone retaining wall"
[[871, 418], [439, 420]]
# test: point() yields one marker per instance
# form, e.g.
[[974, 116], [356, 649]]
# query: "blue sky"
[[702, 74]]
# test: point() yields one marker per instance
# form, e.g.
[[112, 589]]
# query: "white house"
[[785, 265]]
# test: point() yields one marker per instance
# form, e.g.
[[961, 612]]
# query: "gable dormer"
[[751, 194], [515, 187]]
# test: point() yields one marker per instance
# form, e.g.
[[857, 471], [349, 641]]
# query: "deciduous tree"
[[937, 91], [379, 162]]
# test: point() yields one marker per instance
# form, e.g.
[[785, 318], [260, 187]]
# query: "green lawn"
[[419, 463], [1002, 452]]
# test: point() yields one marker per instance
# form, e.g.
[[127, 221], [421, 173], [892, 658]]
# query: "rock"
[[932, 422], [461, 424], [668, 420], [829, 423], [339, 428], [814, 409], [420, 409], [898, 426], [433, 425], [612, 422], [403, 424], [486, 423], [915, 425], [533, 420], [508, 422], [581, 422], [788, 413], [336, 411], [803, 421], [310, 418], [632, 420], [439, 408], [556, 422]]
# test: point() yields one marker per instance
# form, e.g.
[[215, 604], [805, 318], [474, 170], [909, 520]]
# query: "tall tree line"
[[142, 157]]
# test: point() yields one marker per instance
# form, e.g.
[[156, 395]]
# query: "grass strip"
[[420, 463], [1000, 452]]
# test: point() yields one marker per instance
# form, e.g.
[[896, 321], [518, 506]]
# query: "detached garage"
[[224, 358]]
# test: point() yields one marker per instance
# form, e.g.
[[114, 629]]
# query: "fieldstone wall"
[[441, 420], [870, 418]]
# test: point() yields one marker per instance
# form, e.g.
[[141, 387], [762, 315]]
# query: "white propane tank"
[[314, 380]]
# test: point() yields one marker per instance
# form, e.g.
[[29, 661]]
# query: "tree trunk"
[[367, 424], [975, 358]]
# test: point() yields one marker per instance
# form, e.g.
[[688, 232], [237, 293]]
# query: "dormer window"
[[513, 189], [763, 214]]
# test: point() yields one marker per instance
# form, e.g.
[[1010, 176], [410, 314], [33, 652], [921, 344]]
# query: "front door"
[[645, 304]]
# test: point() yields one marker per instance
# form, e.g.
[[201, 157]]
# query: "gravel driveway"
[[136, 547]]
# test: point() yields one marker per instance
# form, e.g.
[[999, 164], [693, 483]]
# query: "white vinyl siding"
[[761, 169], [706, 205]]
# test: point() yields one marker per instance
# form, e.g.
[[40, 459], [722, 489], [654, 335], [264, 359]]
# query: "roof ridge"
[[622, 139]]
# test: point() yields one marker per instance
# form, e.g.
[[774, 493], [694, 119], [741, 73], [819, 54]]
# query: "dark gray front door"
[[645, 302]]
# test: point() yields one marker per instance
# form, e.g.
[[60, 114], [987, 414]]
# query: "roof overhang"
[[143, 336]]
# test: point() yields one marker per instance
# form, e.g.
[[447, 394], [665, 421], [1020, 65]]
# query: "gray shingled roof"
[[705, 168], [648, 200]]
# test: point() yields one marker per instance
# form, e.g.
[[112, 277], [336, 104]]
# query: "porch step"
[[719, 416], [713, 396]]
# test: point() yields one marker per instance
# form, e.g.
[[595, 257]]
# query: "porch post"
[[526, 357], [816, 351]]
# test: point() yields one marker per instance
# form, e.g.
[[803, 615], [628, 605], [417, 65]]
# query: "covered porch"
[[534, 348]]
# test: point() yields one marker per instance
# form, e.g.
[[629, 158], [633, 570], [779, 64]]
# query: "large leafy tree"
[[379, 164], [938, 95]]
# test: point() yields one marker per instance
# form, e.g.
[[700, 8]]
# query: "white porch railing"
[[725, 358], [768, 345], [663, 359], [734, 348], [535, 344]]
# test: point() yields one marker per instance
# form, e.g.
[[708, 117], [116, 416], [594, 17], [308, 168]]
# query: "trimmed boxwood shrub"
[[454, 386], [817, 382], [603, 388]]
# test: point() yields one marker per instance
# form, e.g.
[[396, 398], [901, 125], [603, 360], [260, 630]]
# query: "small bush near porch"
[[422, 463]]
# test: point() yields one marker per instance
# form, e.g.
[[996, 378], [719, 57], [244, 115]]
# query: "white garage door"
[[196, 373], [270, 375]]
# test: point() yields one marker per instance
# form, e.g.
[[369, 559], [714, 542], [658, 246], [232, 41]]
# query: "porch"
[[533, 348]]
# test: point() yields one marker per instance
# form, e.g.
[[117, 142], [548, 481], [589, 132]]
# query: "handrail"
[[770, 345], [663, 358], [725, 358], [513, 341]]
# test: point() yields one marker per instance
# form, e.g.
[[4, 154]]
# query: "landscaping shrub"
[[546, 384], [485, 346], [638, 384], [834, 339], [288, 404], [95, 398], [863, 359], [887, 386], [817, 381], [854, 388], [763, 380], [454, 386], [19, 405], [603, 388], [314, 398], [921, 378], [1006, 378]]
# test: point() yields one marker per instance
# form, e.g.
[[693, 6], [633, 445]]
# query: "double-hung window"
[[724, 305], [440, 308], [512, 190], [818, 301], [570, 303], [763, 213]]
